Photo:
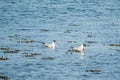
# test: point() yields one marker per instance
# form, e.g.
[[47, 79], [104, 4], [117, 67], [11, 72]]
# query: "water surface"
[[24, 24]]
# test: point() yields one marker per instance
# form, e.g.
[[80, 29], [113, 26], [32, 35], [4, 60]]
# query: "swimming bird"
[[52, 45], [79, 48]]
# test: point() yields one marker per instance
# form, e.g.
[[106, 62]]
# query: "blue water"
[[71, 23]]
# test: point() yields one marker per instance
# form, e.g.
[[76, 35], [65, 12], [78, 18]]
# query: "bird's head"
[[84, 44], [54, 40]]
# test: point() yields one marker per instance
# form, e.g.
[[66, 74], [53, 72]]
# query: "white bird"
[[79, 48], [52, 45]]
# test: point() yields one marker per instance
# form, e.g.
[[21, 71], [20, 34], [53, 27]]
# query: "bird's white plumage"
[[79, 48], [52, 45]]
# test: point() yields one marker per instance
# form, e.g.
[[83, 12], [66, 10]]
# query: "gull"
[[79, 48], [52, 45]]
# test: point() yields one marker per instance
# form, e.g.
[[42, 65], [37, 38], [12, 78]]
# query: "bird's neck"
[[82, 46], [53, 43]]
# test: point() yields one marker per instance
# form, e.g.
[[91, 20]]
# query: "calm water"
[[26, 23]]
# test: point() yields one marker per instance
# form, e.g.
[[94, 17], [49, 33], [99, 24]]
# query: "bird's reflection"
[[82, 55]]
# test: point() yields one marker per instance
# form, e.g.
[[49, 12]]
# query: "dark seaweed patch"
[[73, 24], [3, 48], [114, 44], [24, 41], [89, 35], [11, 51], [2, 58], [19, 39], [68, 31], [70, 41], [44, 30], [48, 58], [4, 77], [31, 54], [94, 71], [90, 41], [14, 36]]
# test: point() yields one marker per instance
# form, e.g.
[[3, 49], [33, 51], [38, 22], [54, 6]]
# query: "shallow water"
[[25, 24]]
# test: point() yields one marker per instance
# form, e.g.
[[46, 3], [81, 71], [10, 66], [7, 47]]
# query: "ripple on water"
[[23, 25]]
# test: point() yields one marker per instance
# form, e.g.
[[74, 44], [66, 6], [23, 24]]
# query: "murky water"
[[25, 24]]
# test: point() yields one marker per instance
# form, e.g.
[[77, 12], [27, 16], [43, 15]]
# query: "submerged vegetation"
[[73, 24], [93, 71], [48, 58], [4, 77], [89, 35], [31, 54], [3, 48], [90, 41], [3, 58], [44, 30], [20, 39], [114, 45], [11, 51], [24, 40], [68, 31], [71, 41]]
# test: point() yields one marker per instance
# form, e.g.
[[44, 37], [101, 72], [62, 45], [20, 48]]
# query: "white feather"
[[52, 45], [79, 48]]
